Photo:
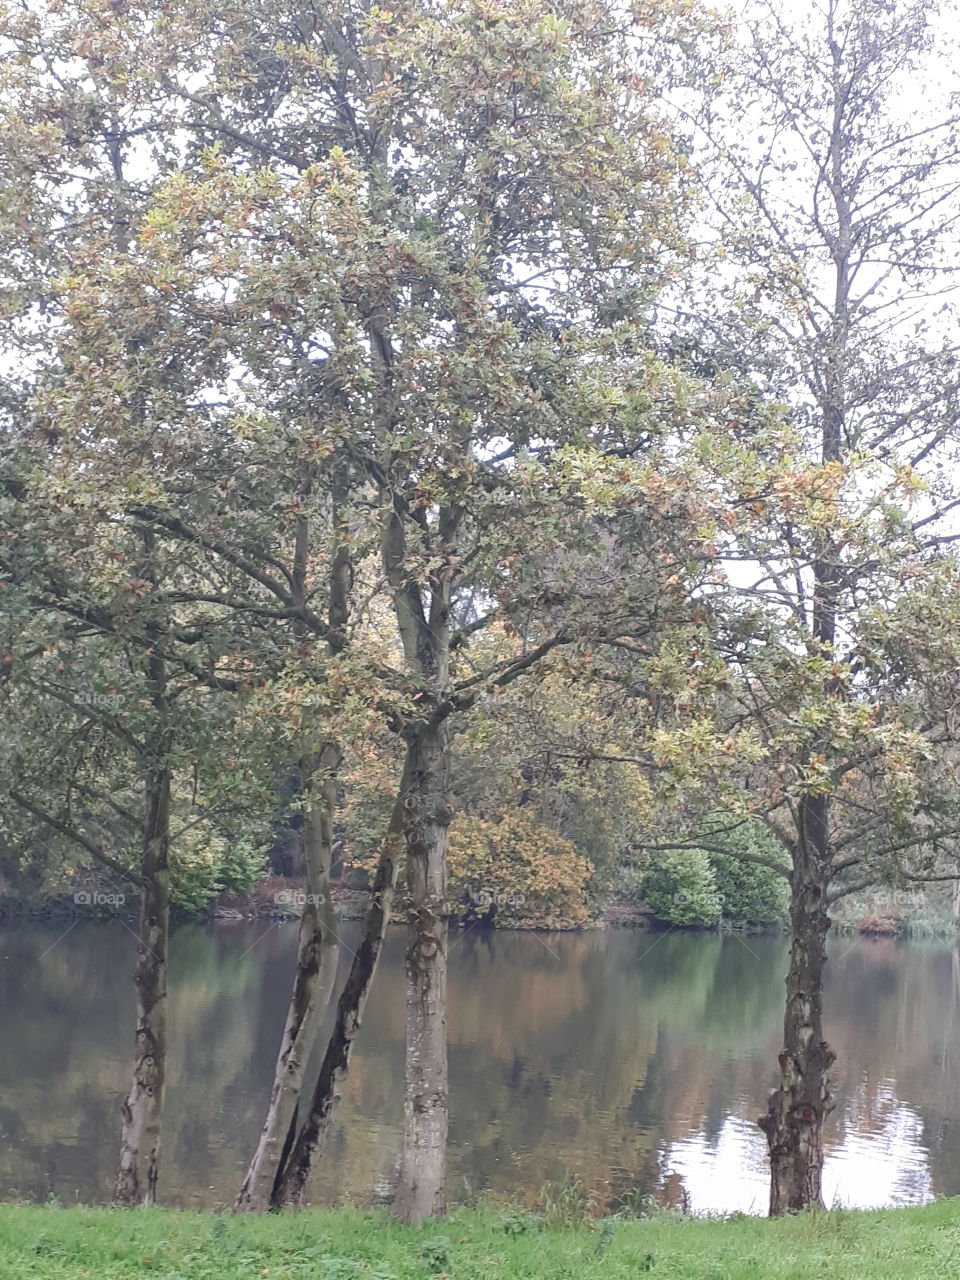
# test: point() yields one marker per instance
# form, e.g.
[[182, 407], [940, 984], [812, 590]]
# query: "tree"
[[837, 638], [423, 274], [98, 419], [51, 127], [557, 747], [149, 735], [87, 772], [679, 887]]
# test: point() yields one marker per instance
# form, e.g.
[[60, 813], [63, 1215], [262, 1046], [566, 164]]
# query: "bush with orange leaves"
[[516, 873]]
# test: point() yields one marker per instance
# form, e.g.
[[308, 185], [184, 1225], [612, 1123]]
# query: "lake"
[[638, 1061]]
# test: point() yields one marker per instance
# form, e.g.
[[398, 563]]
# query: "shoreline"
[[274, 899]]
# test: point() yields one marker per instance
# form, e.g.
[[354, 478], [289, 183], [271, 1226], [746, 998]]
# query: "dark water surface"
[[638, 1061]]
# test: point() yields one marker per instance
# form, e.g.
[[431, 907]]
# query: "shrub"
[[517, 871], [679, 888], [749, 893], [203, 864], [693, 887]]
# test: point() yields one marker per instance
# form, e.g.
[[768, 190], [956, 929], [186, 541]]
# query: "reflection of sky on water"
[[877, 1162]]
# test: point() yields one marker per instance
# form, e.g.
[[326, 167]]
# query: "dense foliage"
[[516, 871], [679, 888]]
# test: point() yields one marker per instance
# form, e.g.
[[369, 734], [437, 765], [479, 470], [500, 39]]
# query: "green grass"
[[40, 1243]]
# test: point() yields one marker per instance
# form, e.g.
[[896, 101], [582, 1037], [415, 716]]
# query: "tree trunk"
[[425, 634], [294, 1172], [798, 1107], [421, 1191], [143, 1106], [317, 954], [318, 946]]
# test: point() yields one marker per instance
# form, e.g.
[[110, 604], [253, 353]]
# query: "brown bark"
[[316, 972], [798, 1107], [293, 1175], [142, 1108]]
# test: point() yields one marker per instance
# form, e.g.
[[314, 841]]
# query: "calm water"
[[638, 1061]]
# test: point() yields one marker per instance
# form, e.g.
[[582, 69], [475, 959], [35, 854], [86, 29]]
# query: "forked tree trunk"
[[421, 1191], [142, 1108], [293, 1176], [318, 945], [316, 973], [797, 1109]]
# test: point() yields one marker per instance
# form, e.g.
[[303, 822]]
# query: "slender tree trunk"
[[142, 1108], [421, 1191], [797, 1108], [294, 1173], [316, 973]]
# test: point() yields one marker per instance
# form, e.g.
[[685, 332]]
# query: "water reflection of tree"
[[897, 1031], [62, 1060], [618, 1046], [552, 1043], [588, 1054], [65, 1068]]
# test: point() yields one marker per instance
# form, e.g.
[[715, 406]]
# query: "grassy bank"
[[39, 1243]]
